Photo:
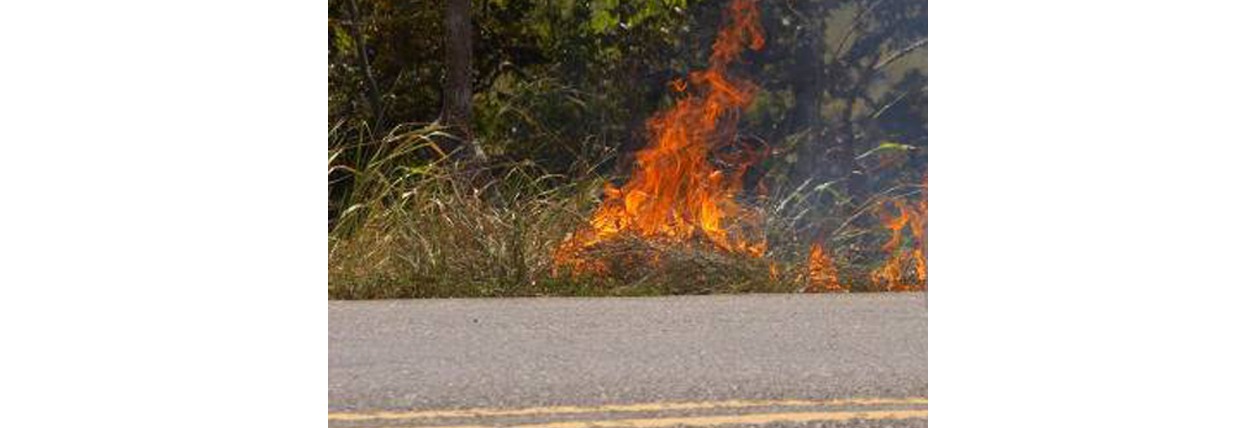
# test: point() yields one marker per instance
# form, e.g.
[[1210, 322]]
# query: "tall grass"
[[418, 222], [445, 228]]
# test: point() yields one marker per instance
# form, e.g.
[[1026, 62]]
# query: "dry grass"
[[448, 229], [445, 229]]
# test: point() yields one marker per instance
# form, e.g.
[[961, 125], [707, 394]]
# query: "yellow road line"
[[709, 421], [615, 408]]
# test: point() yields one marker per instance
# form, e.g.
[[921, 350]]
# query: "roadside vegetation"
[[423, 202]]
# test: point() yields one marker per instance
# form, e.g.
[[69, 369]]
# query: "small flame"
[[675, 194], [821, 272], [893, 275]]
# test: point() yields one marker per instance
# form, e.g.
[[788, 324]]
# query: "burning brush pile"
[[678, 214], [678, 206]]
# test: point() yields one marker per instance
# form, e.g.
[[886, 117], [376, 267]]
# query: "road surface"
[[774, 360]]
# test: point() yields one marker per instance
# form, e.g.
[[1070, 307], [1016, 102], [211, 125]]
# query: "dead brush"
[[695, 267]]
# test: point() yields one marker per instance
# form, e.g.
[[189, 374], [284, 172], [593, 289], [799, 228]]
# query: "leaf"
[[341, 38], [602, 21]]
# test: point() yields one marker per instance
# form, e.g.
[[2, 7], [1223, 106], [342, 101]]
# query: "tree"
[[881, 33], [456, 97], [808, 71]]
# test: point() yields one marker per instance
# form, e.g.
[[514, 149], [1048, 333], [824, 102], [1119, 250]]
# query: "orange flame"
[[675, 193], [919, 229], [821, 272], [893, 275]]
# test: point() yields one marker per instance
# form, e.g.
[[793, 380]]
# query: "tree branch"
[[855, 24], [900, 54]]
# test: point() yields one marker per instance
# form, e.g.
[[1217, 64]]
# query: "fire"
[[893, 275], [821, 273], [675, 193], [919, 224]]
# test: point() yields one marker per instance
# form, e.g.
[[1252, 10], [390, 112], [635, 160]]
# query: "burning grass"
[[678, 224], [450, 230], [660, 267], [677, 195]]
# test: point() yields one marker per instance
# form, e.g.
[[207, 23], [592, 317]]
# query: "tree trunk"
[[807, 74], [372, 88], [807, 86], [850, 147], [456, 108]]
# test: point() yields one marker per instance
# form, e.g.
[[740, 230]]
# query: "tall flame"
[[675, 193]]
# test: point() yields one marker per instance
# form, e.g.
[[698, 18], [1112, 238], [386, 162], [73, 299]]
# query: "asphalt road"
[[775, 360]]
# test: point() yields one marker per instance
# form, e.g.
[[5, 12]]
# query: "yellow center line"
[[617, 408], [709, 421]]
